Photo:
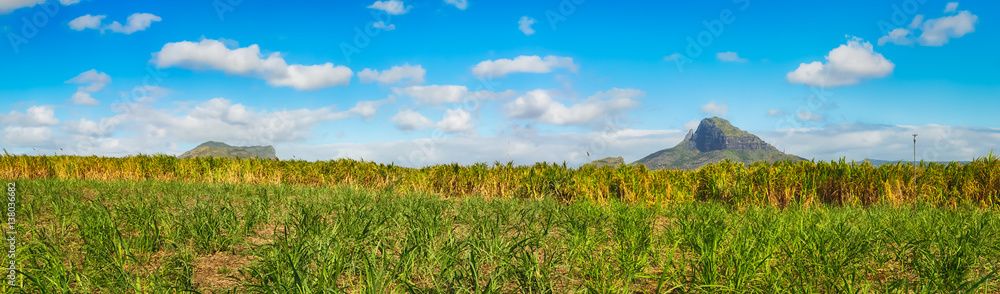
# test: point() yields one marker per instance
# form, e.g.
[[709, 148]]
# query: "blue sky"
[[429, 82]]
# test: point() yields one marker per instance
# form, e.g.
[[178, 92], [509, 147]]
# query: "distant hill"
[[219, 149], [714, 140], [612, 162], [877, 162]]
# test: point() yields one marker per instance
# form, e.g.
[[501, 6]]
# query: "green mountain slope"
[[612, 162], [219, 149], [715, 140]]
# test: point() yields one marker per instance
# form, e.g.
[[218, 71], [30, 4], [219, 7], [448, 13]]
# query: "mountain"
[[219, 149], [714, 140], [612, 162]]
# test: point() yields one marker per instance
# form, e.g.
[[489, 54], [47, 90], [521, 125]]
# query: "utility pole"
[[913, 181]]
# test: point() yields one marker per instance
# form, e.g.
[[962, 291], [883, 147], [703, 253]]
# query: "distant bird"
[[588, 153]]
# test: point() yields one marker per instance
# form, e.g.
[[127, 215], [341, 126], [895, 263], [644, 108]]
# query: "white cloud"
[[673, 57], [393, 7], [526, 147], [146, 94], [540, 106], [524, 24], [35, 116], [26, 136], [96, 80], [809, 116], [776, 112], [415, 74], [136, 22], [381, 25], [409, 120], [460, 4], [885, 142], [457, 121], [86, 22], [248, 61], [523, 63], [951, 7], [435, 94], [846, 65], [692, 124], [438, 94], [711, 108], [218, 119], [84, 98], [933, 32], [10, 5], [898, 36], [937, 32], [729, 56], [917, 20], [69, 2]]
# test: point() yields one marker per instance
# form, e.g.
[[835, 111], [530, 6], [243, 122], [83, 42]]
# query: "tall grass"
[[760, 184], [158, 237]]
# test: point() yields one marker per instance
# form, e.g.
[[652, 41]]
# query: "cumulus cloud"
[[27, 136], [540, 106], [524, 24], [846, 65], [393, 7], [776, 112], [86, 22], [729, 56], [523, 63], [383, 26], [886, 142], [898, 36], [35, 116], [527, 146], [810, 116], [951, 7], [6, 6], [248, 61], [460, 4], [415, 74], [409, 120], [457, 121], [96, 81], [712, 108], [933, 32], [692, 124], [917, 20], [937, 32], [438, 94], [136, 22], [143, 128]]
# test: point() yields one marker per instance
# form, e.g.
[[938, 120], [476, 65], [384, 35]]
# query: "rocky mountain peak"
[[715, 133]]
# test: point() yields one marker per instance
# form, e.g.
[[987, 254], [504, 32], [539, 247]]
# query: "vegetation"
[[167, 237], [159, 224], [612, 162], [760, 184]]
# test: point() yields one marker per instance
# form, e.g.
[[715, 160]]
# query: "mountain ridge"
[[714, 140], [219, 149]]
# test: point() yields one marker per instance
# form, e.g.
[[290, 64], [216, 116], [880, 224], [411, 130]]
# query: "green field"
[[153, 236]]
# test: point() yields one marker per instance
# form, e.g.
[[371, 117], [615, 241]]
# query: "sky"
[[417, 83]]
